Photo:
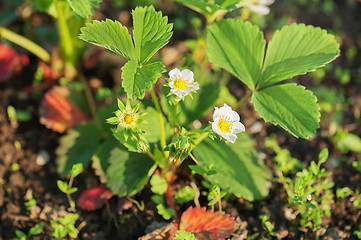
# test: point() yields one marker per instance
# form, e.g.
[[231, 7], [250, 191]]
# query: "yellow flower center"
[[180, 83], [224, 124], [128, 119]]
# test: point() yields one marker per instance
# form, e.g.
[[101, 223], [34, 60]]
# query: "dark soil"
[[24, 144]]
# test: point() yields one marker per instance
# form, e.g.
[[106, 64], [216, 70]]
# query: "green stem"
[[25, 43], [201, 138], [160, 117], [243, 101], [68, 194], [66, 43], [151, 155]]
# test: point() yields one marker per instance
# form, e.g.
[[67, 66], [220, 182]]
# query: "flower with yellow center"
[[227, 123], [127, 118], [257, 6], [181, 82]]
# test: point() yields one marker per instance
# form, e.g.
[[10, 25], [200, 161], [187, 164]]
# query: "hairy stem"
[[25, 43], [66, 43], [160, 117]]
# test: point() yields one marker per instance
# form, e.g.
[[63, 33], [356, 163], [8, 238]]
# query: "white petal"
[[227, 107], [230, 137], [238, 127], [188, 75], [192, 87], [179, 93], [173, 74], [215, 128], [262, 10], [225, 110], [234, 116], [266, 2]]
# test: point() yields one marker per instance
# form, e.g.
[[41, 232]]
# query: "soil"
[[26, 143]]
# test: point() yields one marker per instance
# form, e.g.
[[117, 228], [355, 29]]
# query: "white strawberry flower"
[[257, 6], [181, 82], [226, 123]]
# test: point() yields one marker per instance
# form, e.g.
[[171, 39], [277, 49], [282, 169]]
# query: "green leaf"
[[20, 234], [346, 142], [182, 235], [185, 194], [151, 32], [63, 186], [138, 79], [77, 146], [76, 169], [72, 190], [165, 212], [322, 157], [297, 49], [158, 185], [84, 8], [239, 171], [238, 47], [128, 172], [100, 158], [110, 35], [343, 192], [291, 106], [150, 126]]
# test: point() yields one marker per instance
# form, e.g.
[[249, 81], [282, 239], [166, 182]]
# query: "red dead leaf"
[[207, 225], [94, 198], [57, 113], [10, 62]]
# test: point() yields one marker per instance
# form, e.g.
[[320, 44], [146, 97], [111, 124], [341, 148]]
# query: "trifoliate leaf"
[[151, 32], [110, 35], [289, 105], [137, 80], [238, 47], [84, 8], [297, 49]]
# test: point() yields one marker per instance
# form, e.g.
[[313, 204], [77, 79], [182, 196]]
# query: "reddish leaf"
[[207, 225], [94, 198], [10, 62], [50, 74], [57, 113]]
